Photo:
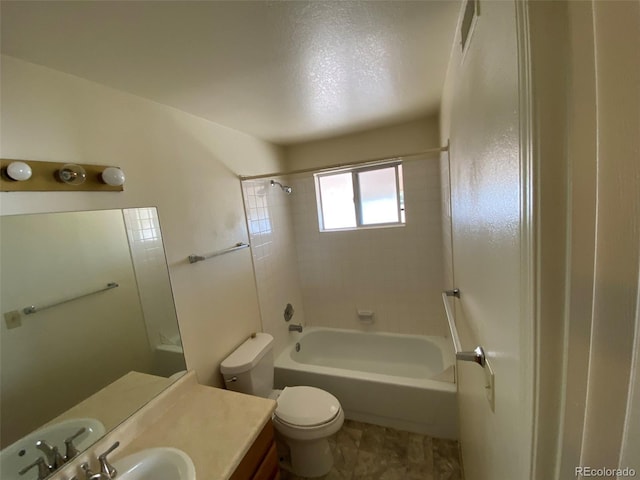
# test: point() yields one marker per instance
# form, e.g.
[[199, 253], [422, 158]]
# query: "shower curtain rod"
[[344, 165]]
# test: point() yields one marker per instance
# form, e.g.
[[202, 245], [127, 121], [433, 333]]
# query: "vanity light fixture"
[[45, 176], [19, 171], [72, 174], [113, 176]]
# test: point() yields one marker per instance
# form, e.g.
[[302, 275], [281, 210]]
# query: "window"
[[361, 197]]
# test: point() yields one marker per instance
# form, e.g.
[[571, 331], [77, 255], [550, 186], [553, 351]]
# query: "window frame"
[[357, 196]]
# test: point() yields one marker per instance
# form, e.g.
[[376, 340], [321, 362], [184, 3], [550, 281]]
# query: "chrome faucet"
[[105, 467], [107, 472], [41, 465], [295, 328], [54, 459], [71, 450], [90, 475]]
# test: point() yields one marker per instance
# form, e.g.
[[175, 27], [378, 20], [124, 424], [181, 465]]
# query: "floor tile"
[[415, 448], [446, 460], [396, 444], [349, 437], [372, 439], [363, 451]]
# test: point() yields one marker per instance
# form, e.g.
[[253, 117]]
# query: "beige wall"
[[555, 89], [480, 116], [182, 164], [630, 455], [617, 254], [62, 355], [586, 75], [408, 137]]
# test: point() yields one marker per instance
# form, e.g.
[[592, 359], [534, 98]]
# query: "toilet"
[[305, 416]]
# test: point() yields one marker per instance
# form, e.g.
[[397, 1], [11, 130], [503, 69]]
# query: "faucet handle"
[[43, 468], [89, 475], [54, 459], [105, 467], [71, 450]]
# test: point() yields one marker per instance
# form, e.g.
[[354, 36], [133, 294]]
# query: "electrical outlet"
[[490, 385], [13, 319]]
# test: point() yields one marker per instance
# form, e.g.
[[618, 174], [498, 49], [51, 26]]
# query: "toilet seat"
[[306, 407]]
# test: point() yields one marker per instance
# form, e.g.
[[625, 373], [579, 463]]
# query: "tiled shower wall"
[[152, 277], [268, 211], [396, 272]]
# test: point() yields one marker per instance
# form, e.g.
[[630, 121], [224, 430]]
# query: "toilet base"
[[309, 458]]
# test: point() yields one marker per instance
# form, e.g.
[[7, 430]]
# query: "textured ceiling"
[[283, 71]]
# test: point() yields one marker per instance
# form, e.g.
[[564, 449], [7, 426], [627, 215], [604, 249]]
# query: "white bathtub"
[[168, 359], [399, 381]]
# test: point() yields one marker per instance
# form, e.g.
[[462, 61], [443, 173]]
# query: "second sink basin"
[[163, 463]]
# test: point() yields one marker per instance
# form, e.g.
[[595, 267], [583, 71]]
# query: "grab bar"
[[199, 258], [33, 309], [477, 355]]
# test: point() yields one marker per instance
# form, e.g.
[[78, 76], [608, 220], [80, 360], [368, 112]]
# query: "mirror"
[[86, 299]]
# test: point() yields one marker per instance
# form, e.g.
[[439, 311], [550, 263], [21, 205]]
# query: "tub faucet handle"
[[288, 312]]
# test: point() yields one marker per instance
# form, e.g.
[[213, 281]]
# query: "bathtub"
[[400, 381], [168, 359]]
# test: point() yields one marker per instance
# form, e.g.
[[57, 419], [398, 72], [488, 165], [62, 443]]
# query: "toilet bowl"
[[304, 419], [305, 416]]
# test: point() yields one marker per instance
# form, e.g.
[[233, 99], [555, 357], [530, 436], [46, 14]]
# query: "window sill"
[[365, 227]]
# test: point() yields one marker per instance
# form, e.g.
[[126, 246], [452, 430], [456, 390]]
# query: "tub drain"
[[297, 346]]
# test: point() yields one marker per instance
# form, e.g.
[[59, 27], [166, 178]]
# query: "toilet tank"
[[249, 368]]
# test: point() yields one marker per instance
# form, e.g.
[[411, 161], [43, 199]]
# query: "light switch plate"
[[13, 319], [490, 385]]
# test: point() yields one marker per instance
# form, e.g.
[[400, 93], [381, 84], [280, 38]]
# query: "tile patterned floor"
[[363, 451]]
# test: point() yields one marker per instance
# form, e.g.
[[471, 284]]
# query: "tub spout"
[[295, 328]]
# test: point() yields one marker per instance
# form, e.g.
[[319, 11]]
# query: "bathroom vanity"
[[58, 317], [227, 435]]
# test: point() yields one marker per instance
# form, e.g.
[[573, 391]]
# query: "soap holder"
[[365, 316]]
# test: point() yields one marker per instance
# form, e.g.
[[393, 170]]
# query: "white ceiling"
[[283, 71]]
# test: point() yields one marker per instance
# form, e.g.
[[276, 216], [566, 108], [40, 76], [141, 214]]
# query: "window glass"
[[378, 196], [361, 197], [336, 195]]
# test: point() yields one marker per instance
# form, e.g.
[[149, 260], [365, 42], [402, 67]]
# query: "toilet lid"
[[306, 406]]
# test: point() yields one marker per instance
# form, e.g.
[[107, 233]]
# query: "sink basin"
[[162, 463], [23, 452]]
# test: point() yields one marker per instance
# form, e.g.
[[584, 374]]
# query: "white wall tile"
[[274, 257], [396, 272]]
